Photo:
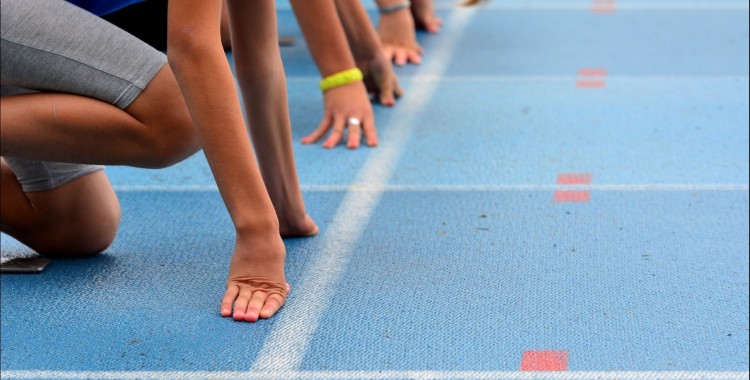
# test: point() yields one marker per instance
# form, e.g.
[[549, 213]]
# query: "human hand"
[[349, 107], [297, 227], [381, 80], [423, 13], [399, 38], [256, 286]]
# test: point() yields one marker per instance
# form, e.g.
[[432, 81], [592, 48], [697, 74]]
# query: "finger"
[[433, 25], [229, 296], [319, 132], [339, 123], [387, 92], [254, 306], [388, 52], [399, 57], [387, 98], [414, 57], [274, 302], [418, 49], [355, 135], [398, 91], [240, 305], [371, 133]]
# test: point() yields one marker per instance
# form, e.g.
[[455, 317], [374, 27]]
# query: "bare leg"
[[81, 218], [77, 219], [154, 131]]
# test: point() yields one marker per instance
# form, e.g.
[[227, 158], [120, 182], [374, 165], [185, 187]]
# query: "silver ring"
[[354, 121]]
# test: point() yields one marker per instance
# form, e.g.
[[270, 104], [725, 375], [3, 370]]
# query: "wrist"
[[393, 7], [258, 226]]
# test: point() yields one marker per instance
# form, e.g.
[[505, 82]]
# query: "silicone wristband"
[[394, 7], [341, 78]]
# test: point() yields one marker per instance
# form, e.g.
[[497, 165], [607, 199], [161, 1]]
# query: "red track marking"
[[544, 361], [604, 6], [591, 84], [562, 195], [592, 78], [571, 196], [593, 72], [574, 179]]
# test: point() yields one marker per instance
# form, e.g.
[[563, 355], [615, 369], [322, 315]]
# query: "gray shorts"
[[53, 46]]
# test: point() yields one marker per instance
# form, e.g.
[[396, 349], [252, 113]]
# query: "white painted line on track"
[[165, 188], [630, 6], [368, 187], [525, 5], [522, 188], [381, 375], [549, 78], [294, 328]]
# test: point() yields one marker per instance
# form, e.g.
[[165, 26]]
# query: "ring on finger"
[[354, 121]]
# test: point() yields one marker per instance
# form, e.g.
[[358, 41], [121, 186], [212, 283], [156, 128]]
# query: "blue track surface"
[[444, 249]]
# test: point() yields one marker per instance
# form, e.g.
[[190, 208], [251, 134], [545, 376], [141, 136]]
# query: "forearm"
[[207, 84], [362, 36], [324, 35], [261, 77], [270, 127]]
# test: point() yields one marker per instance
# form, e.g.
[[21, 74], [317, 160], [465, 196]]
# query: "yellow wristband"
[[341, 78]]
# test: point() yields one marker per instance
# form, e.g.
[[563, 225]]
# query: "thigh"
[[51, 45], [37, 175]]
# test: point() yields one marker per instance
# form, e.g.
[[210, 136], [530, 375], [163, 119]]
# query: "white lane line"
[[294, 328], [369, 187], [524, 5], [522, 188], [549, 78], [381, 375], [622, 5], [165, 188]]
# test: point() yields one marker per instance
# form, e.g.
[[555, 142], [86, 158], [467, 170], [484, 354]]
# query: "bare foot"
[[424, 16], [256, 286]]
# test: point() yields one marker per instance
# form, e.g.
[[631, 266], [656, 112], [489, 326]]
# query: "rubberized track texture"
[[562, 193]]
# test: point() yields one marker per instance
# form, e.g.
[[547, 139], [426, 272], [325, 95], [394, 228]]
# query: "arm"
[[261, 78], [203, 73], [368, 51], [330, 50]]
